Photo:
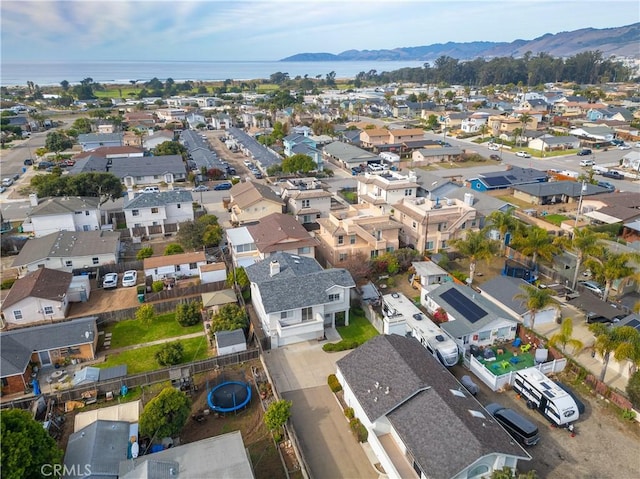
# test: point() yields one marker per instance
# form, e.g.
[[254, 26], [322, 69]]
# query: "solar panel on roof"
[[466, 307], [634, 323], [496, 181]]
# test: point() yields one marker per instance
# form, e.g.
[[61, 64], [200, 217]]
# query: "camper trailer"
[[542, 394], [406, 317]]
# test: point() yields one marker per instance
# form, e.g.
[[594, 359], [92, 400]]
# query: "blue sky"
[[224, 30]]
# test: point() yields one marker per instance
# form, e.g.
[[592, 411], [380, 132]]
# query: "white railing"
[[497, 382]]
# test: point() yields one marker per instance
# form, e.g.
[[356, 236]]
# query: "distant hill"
[[619, 41]]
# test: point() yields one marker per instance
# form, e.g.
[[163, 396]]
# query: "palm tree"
[[585, 242], [517, 134], [613, 267], [503, 221], [524, 119], [535, 300], [535, 242], [623, 342], [563, 338], [477, 247]]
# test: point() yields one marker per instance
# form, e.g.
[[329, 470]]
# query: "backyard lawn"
[[359, 329], [143, 359], [125, 333], [555, 219], [504, 363]]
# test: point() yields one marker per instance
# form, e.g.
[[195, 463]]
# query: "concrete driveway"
[[300, 372]]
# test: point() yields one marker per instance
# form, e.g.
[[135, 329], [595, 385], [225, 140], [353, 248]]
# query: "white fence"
[[499, 382]]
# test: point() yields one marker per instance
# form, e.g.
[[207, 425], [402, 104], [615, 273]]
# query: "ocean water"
[[52, 73]]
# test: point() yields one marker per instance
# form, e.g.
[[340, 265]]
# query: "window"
[[156, 177], [285, 314], [342, 257], [305, 250], [306, 203], [443, 244], [307, 314], [86, 213], [135, 212], [178, 206], [340, 239], [334, 297], [408, 192], [352, 239], [154, 210], [48, 310], [389, 249], [374, 254], [95, 260], [463, 225], [68, 263], [442, 226], [484, 335], [77, 212], [17, 314], [193, 265], [473, 224], [503, 332], [429, 245]]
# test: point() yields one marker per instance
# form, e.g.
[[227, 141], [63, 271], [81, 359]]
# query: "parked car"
[[3, 189], [607, 185], [520, 428], [616, 175], [523, 154], [129, 278], [222, 186], [28, 162], [592, 318], [231, 170], [110, 281], [248, 163], [43, 165], [7, 181], [495, 157], [200, 188], [588, 162], [624, 147], [150, 189], [593, 287], [585, 152], [493, 146], [468, 383]]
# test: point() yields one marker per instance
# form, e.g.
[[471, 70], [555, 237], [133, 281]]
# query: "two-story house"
[[64, 213], [169, 115], [147, 170], [295, 299], [251, 201], [306, 200], [387, 189], [431, 224], [149, 214], [294, 139], [69, 250], [475, 122], [361, 230]]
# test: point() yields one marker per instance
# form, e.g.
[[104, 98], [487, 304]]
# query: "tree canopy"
[[57, 141], [205, 231], [298, 163], [228, 318], [105, 186], [171, 148], [166, 414], [277, 414], [26, 446]]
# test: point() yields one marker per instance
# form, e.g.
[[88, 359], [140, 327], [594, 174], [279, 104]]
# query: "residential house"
[[223, 456], [69, 250], [251, 201], [229, 342], [513, 176], [160, 213], [294, 139], [387, 189], [431, 224], [372, 137], [62, 213], [483, 203], [221, 121], [554, 192], [475, 122], [306, 200], [554, 143], [148, 170], [140, 118], [473, 319], [213, 273], [610, 208], [36, 297], [242, 247], [264, 157], [533, 105], [112, 152], [427, 156], [575, 108], [196, 120], [411, 408], [429, 275], [92, 141], [501, 126], [609, 113], [504, 291], [278, 232], [346, 155], [632, 161], [594, 134], [169, 115], [174, 266], [361, 230], [295, 299], [157, 138], [45, 345]]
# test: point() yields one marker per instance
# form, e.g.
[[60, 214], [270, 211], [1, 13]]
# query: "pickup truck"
[[616, 175]]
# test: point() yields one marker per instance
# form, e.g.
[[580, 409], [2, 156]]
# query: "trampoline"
[[229, 396]]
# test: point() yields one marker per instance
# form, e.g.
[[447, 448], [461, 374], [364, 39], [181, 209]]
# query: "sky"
[[269, 30]]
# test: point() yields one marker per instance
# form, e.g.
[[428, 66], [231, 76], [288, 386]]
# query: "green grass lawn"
[[556, 219], [359, 329], [125, 333], [143, 359], [502, 364]]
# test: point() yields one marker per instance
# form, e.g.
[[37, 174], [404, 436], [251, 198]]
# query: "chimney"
[[33, 199], [274, 268], [130, 194]]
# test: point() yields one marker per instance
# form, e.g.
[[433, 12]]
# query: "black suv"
[[585, 152]]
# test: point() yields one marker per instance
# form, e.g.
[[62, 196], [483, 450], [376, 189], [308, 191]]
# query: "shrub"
[[146, 252], [343, 345], [173, 248], [334, 384], [157, 286], [633, 389], [349, 413], [188, 314], [170, 354], [359, 430], [7, 283]]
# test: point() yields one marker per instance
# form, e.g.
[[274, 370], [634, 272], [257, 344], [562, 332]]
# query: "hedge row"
[[334, 384], [341, 345], [7, 283], [349, 413], [359, 430]]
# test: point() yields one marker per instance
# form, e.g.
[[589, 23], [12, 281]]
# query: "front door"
[[45, 359]]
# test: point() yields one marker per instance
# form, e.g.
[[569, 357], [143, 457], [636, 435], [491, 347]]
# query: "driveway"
[[300, 372]]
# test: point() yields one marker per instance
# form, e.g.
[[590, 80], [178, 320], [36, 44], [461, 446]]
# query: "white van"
[[588, 162], [151, 189]]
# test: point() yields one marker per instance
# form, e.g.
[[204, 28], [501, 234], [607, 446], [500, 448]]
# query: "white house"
[[472, 319], [69, 250], [174, 266], [157, 138], [296, 299], [158, 213], [387, 189], [242, 247], [420, 420], [64, 213], [171, 114]]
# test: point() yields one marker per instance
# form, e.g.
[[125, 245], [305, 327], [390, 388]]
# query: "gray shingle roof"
[[503, 289], [66, 204], [44, 283], [431, 421], [99, 137], [14, 357], [163, 198], [301, 282], [461, 326], [348, 153], [572, 189], [137, 166], [230, 338], [258, 151]]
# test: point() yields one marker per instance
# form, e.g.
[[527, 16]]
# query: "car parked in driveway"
[[110, 281], [129, 278], [518, 426], [593, 287], [523, 154]]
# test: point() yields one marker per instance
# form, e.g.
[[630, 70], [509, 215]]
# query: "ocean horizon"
[[113, 72]]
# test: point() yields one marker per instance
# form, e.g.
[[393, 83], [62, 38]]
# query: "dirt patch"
[[101, 301]]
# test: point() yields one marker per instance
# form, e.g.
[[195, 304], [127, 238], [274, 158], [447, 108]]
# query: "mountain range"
[[619, 41]]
